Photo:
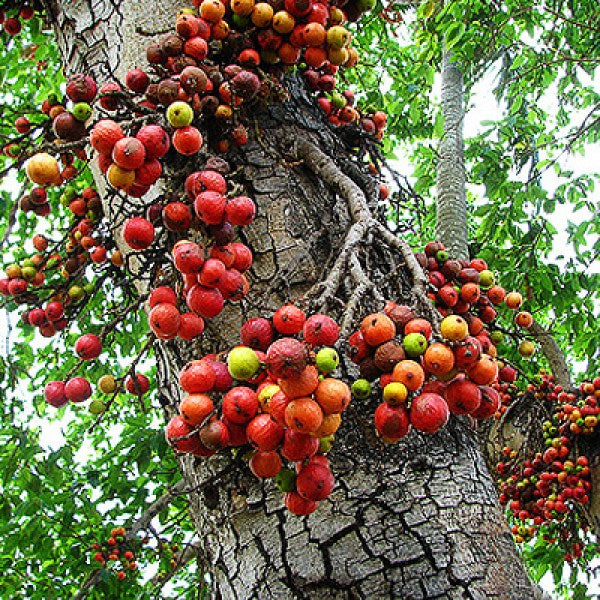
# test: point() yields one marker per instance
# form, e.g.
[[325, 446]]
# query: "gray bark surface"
[[451, 206], [418, 519]]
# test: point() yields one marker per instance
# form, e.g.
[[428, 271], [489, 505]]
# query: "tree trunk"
[[415, 520], [451, 223]]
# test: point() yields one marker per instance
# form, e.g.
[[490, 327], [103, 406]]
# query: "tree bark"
[[415, 520], [451, 223]]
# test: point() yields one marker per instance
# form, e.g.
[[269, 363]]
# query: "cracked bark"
[[416, 520]]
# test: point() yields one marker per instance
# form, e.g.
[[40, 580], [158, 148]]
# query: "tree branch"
[[554, 355]]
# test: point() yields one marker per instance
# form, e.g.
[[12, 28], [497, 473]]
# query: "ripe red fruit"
[[178, 428], [304, 415], [265, 464], [286, 358], [468, 353], [138, 384], [129, 153], [211, 273], [507, 374], [484, 371], [377, 328], [155, 140], [233, 285], [12, 26], [264, 433], [314, 482], [164, 319], [257, 333], [223, 253], [210, 207], [177, 216], [428, 413], [197, 376], [240, 404], [242, 257], [421, 326], [162, 295], [137, 80], [320, 330], [22, 124], [207, 302], [277, 406], [54, 311], [81, 88], [496, 294], [109, 102], [54, 391], [36, 317], [78, 389], [223, 378], [88, 346], [462, 396], [194, 408], [148, 173], [188, 256], [298, 446], [358, 348], [214, 435], [289, 320], [138, 233], [200, 181], [105, 134], [304, 385], [190, 326], [240, 210], [490, 402], [297, 505], [391, 422], [187, 140]]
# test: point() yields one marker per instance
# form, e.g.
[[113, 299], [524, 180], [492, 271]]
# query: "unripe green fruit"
[[180, 114], [441, 256], [325, 444], [242, 363], [240, 21], [327, 360], [285, 480], [97, 407], [337, 100], [27, 263], [414, 344], [89, 288], [361, 389], [82, 111], [365, 5], [497, 337], [486, 278], [28, 273], [70, 193], [76, 292]]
